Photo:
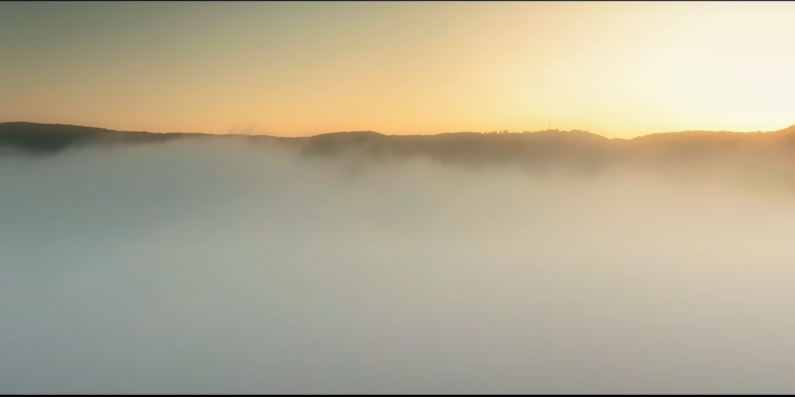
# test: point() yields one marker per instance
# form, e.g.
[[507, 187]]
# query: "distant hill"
[[52, 138], [688, 151]]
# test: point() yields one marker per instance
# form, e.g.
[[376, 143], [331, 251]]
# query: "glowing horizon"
[[618, 69]]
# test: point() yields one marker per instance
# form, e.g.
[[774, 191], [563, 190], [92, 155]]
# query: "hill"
[[680, 152]]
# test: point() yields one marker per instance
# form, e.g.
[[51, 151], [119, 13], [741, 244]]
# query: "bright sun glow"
[[617, 69]]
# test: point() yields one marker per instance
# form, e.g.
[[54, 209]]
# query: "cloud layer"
[[222, 266]]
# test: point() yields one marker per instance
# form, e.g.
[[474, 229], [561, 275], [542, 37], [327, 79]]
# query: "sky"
[[618, 69]]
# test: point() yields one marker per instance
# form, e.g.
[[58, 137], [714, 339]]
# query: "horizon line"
[[496, 132]]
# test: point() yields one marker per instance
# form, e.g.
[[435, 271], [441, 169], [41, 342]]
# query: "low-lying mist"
[[230, 267]]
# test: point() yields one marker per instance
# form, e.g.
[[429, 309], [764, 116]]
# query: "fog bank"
[[226, 267]]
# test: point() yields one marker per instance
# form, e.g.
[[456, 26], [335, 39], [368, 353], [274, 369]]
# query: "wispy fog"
[[227, 267]]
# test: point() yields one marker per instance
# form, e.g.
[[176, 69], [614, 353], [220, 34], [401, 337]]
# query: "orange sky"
[[617, 69]]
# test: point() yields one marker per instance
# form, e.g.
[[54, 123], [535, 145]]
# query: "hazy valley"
[[358, 262]]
